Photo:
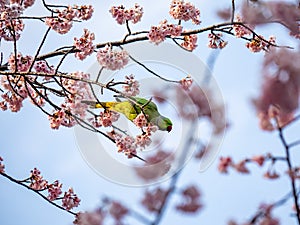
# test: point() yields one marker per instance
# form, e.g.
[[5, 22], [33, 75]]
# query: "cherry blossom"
[[131, 88], [54, 190], [191, 202], [157, 34], [122, 15], [186, 83], [89, 218], [182, 10], [84, 45], [106, 118], [241, 167], [84, 12], [259, 159], [224, 164], [239, 30], [23, 62], [125, 144], [156, 166], [117, 210], [37, 181], [1, 165], [215, 41], [24, 3], [153, 200], [190, 42], [112, 59], [70, 200], [140, 120]]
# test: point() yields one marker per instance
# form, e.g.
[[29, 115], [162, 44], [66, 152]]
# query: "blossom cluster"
[[157, 34], [112, 59], [258, 43], [122, 15], [19, 87], [157, 166], [191, 200], [10, 25], [89, 218], [153, 200], [186, 83], [239, 30], [226, 162], [84, 44], [106, 118], [129, 145], [279, 97], [189, 42], [182, 10], [63, 22], [131, 88], [216, 41], [39, 184], [77, 91]]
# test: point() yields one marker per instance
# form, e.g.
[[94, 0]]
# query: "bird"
[[131, 109]]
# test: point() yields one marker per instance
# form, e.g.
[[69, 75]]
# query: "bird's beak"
[[169, 128]]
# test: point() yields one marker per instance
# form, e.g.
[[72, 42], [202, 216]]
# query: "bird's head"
[[163, 123]]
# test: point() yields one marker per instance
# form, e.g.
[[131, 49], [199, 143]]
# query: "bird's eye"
[[169, 128]]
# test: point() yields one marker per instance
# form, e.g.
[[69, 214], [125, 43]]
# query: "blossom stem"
[[37, 192]]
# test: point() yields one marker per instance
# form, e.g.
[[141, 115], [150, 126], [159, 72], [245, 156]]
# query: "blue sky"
[[27, 141]]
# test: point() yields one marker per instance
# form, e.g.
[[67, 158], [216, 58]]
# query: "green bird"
[[131, 110]]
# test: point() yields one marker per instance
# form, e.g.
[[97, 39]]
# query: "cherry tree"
[[70, 97]]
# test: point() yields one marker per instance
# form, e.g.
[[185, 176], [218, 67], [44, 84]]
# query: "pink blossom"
[[143, 140], [106, 118], [241, 167], [215, 41], [122, 15], [239, 30], [186, 83], [1, 166], [294, 173], [191, 201], [126, 145], [43, 67], [157, 34], [54, 190], [190, 42], [84, 45], [140, 120], [281, 12], [224, 164], [84, 12], [271, 175], [37, 181], [10, 28], [156, 166], [25, 3], [60, 25], [112, 59], [280, 88], [153, 200], [131, 88], [182, 10], [117, 210], [23, 62], [70, 200], [89, 218], [259, 159]]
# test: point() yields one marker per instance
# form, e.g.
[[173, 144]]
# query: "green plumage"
[[131, 110]]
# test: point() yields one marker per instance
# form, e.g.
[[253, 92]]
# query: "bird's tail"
[[94, 104]]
